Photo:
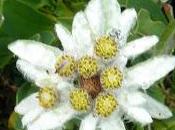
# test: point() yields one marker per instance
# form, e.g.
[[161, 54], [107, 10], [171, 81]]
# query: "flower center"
[[106, 47], [79, 99], [111, 78], [47, 97], [105, 104], [91, 85], [65, 66], [87, 67]]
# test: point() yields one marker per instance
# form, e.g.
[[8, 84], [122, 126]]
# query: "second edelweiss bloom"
[[94, 56]]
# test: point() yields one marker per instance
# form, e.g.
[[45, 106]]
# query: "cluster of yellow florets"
[[105, 105], [106, 47], [111, 78], [48, 97], [87, 67], [65, 66], [79, 99]]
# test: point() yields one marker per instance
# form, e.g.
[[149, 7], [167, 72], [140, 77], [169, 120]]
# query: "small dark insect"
[[62, 65]]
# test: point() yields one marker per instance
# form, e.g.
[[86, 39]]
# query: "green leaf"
[[14, 122], [1, 15], [159, 125], [157, 93], [25, 90], [76, 5], [5, 54], [47, 37], [146, 26], [152, 7], [168, 124], [64, 14], [21, 21], [172, 128], [167, 40], [34, 3], [72, 124], [138, 127], [58, 10]]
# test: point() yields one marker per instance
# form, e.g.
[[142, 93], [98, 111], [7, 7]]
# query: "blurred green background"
[[35, 19]]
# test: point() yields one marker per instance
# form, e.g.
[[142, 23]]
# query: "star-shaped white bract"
[[101, 19]]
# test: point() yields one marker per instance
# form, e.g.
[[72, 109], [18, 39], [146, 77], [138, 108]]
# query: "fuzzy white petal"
[[156, 109], [136, 99], [36, 53], [66, 39], [82, 34], [120, 61], [139, 46], [146, 73], [131, 98], [89, 123], [94, 14], [113, 122], [127, 22], [112, 13], [31, 115], [50, 80], [30, 72], [140, 115], [164, 1], [53, 119], [58, 129], [64, 88], [62, 85], [27, 104]]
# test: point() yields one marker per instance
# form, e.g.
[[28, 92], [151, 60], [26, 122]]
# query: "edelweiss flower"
[[49, 103], [95, 56], [108, 90]]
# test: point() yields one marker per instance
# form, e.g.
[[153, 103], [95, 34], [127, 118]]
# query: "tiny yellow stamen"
[[105, 104], [47, 97], [66, 65], [87, 67], [111, 78], [106, 47], [79, 99]]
